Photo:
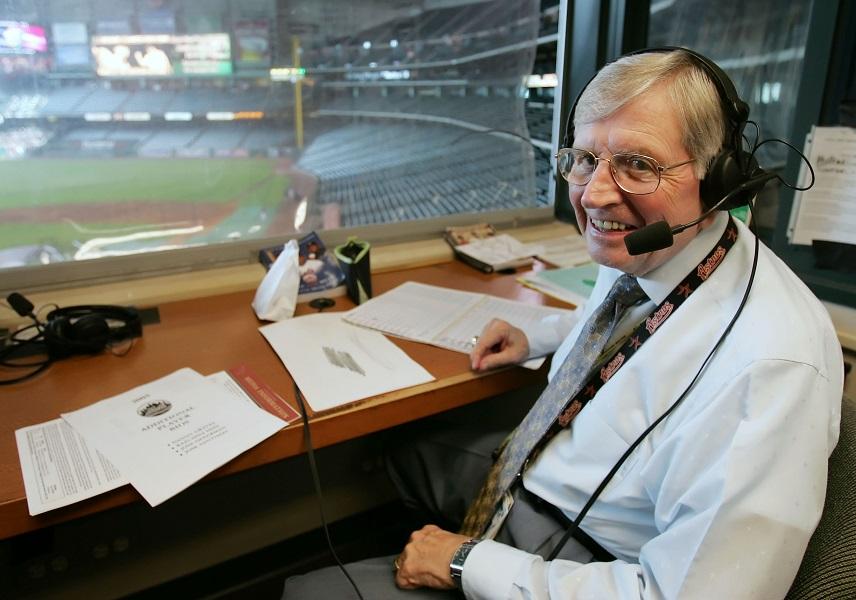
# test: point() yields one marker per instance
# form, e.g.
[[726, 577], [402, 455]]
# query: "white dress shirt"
[[722, 497]]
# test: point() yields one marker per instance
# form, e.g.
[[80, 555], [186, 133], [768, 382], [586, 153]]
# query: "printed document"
[[59, 468], [500, 251], [565, 251], [334, 363], [169, 433], [828, 210], [441, 316]]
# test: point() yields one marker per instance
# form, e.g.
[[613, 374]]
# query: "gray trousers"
[[438, 475]]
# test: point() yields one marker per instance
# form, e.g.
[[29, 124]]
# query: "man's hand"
[[499, 344], [424, 562]]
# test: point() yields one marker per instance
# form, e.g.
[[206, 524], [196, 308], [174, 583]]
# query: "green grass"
[[60, 235], [42, 182], [250, 182]]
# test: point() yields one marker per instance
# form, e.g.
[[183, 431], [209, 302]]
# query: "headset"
[[89, 329], [734, 167], [85, 329]]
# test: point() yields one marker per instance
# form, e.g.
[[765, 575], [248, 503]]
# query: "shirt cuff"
[[491, 569], [545, 337]]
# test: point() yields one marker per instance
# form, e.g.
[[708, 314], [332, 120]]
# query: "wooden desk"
[[215, 333]]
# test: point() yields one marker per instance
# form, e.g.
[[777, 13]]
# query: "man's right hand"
[[499, 344]]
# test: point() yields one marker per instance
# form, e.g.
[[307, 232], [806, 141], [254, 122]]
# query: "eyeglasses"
[[633, 173]]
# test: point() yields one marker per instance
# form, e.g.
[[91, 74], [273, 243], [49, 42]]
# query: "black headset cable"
[[316, 480]]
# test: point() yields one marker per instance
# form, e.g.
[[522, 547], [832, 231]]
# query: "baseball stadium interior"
[[141, 138]]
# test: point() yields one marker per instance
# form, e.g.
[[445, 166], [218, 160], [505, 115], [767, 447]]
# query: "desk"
[[215, 333]]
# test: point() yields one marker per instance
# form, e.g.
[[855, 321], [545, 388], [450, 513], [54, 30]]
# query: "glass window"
[[134, 126], [760, 45]]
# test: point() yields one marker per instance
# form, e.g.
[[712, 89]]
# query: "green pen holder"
[[353, 257]]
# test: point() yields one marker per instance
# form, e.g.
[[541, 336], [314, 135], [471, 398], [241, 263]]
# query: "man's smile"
[[607, 226]]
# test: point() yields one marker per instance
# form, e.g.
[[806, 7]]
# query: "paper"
[[60, 468], [828, 210], [334, 363], [499, 251], [169, 433], [564, 251], [441, 316], [571, 284]]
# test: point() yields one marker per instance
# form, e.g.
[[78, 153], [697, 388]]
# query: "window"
[[761, 46], [140, 126]]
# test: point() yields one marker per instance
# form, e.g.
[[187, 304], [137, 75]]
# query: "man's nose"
[[601, 189]]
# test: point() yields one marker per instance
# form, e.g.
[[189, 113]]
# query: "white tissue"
[[276, 296]]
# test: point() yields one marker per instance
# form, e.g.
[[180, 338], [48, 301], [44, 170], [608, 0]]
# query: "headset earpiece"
[[88, 334], [729, 170], [88, 329]]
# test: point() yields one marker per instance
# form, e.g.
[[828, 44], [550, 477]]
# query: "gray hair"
[[694, 96]]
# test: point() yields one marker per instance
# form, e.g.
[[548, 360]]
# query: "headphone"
[[89, 329], [86, 329], [733, 167]]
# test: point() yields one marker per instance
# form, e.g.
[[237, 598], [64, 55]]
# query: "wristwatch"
[[456, 567]]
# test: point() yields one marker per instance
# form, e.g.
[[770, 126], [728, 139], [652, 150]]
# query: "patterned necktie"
[[564, 386]]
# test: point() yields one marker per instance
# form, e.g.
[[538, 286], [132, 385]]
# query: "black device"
[[659, 235], [89, 329], [84, 329]]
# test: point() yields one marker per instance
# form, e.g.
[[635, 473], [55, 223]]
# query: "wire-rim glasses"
[[633, 173]]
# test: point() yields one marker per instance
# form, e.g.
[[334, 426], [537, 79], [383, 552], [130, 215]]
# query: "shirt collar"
[[658, 283]]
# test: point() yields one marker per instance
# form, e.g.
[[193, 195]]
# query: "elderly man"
[[720, 498]]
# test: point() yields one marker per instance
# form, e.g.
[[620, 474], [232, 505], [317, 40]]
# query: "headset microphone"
[[22, 306], [660, 235]]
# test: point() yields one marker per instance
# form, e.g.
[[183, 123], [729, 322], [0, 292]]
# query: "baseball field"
[[84, 208]]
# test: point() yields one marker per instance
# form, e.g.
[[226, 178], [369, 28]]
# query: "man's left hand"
[[424, 562]]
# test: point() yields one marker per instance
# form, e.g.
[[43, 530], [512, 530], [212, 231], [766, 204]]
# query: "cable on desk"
[[316, 480]]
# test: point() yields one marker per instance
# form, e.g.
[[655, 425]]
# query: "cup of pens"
[[353, 257]]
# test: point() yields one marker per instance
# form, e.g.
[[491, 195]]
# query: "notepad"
[[443, 317]]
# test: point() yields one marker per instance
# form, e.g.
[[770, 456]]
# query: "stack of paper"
[[497, 253], [441, 316], [564, 251], [161, 437]]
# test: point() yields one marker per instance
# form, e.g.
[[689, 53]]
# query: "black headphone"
[[733, 166], [88, 329]]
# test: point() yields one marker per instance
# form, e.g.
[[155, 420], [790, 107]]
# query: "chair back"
[[828, 569]]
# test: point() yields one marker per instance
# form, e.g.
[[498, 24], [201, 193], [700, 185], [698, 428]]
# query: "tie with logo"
[[569, 379]]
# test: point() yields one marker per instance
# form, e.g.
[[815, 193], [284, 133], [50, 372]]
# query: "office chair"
[[828, 569]]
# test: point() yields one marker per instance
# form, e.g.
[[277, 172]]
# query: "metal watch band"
[[456, 567]]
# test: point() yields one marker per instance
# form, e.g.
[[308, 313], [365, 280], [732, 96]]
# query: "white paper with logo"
[[169, 433]]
